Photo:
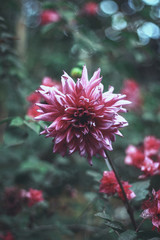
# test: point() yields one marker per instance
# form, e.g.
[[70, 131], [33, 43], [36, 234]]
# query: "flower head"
[[110, 186], [34, 196], [35, 97], [82, 117], [151, 209], [151, 145], [49, 16], [129, 193], [133, 93], [108, 183], [146, 157], [7, 236], [91, 8]]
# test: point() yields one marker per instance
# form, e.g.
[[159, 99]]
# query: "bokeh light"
[[31, 11], [151, 2], [148, 30], [118, 21], [136, 5], [108, 7]]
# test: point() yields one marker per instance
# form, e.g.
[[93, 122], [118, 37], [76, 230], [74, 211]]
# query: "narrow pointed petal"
[[96, 75], [84, 77]]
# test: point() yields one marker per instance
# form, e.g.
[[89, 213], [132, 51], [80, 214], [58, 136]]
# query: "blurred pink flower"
[[108, 183], [151, 145], [129, 193], [110, 186], [82, 117], [146, 157], [32, 111], [49, 16], [35, 97], [8, 236], [134, 156], [34, 196], [151, 209], [90, 8], [133, 93]]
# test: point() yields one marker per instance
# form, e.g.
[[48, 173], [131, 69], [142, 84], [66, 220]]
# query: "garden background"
[[123, 39]]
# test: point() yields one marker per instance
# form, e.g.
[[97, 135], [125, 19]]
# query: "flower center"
[[83, 118]]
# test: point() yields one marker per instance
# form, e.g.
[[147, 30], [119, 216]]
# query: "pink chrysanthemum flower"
[[151, 209], [82, 117], [110, 186]]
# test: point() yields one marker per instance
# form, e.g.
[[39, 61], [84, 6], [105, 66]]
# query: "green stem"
[[126, 202], [140, 225]]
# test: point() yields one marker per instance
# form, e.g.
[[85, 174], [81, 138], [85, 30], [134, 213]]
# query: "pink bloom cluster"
[[32, 196], [133, 93], [7, 236], [110, 186], [49, 16], [90, 8], [82, 117], [146, 157], [15, 198], [35, 97], [151, 209]]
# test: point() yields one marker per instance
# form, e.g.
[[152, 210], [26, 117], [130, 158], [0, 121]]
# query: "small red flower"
[[145, 157], [110, 186], [34, 196], [32, 111], [49, 16], [91, 8], [151, 209], [151, 145], [133, 93], [36, 97], [134, 156], [108, 183], [129, 193], [8, 236]]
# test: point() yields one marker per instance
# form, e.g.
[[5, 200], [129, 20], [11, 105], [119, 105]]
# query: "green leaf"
[[35, 164], [47, 28], [97, 176], [128, 235], [114, 225], [33, 126], [140, 189], [103, 215], [90, 196], [17, 121]]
